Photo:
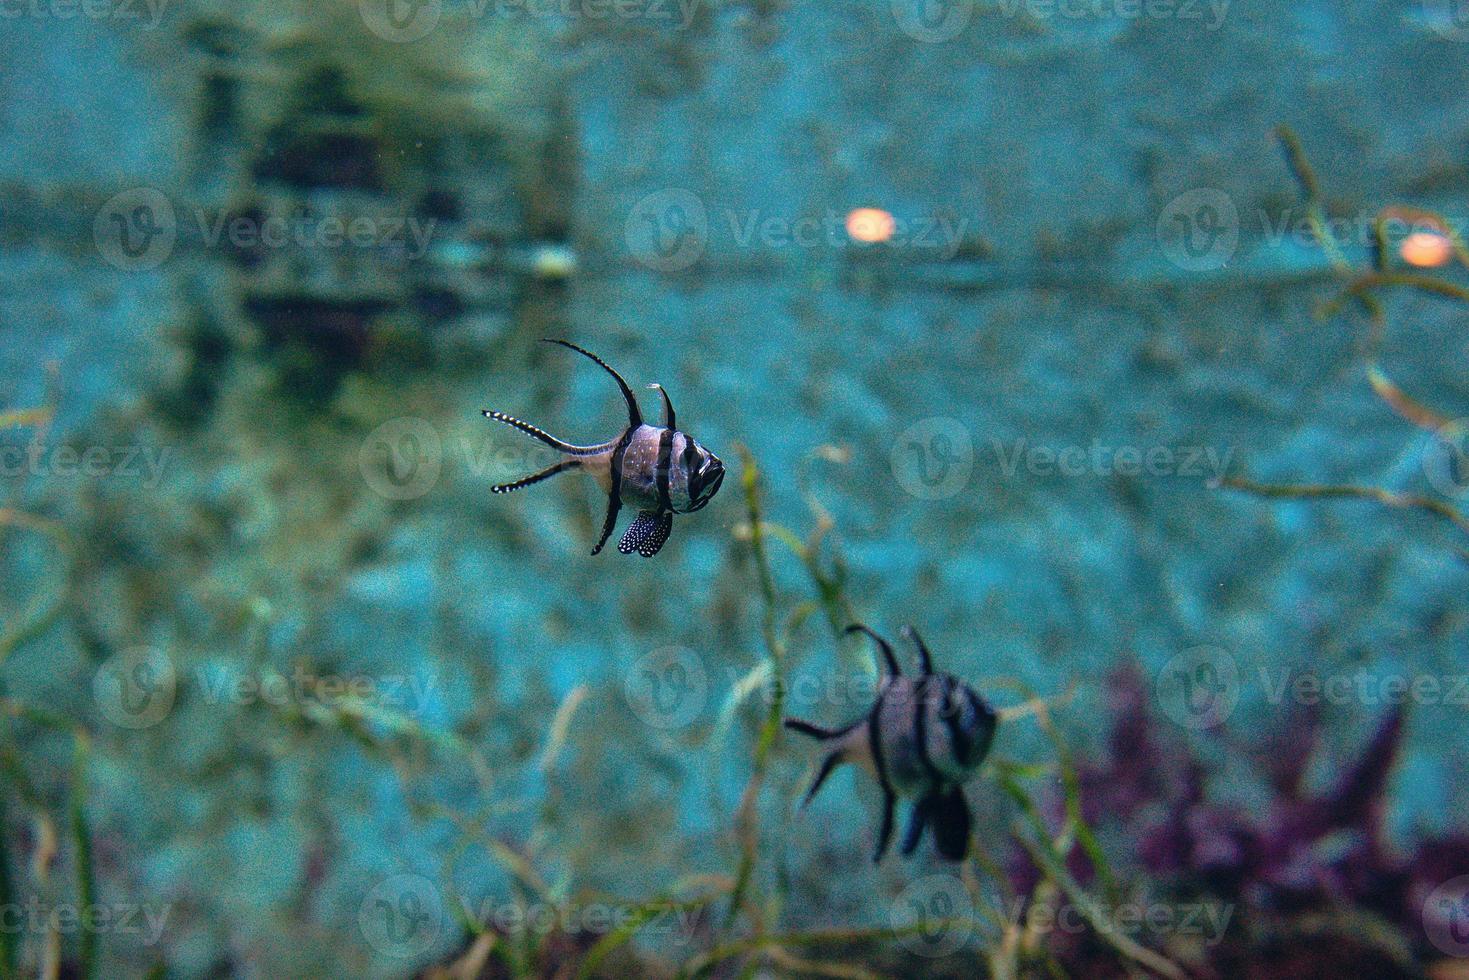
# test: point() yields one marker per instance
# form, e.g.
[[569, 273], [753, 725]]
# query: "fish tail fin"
[[948, 814], [545, 474], [834, 758]]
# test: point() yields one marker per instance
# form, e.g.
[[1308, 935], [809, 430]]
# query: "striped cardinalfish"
[[661, 470], [922, 738]]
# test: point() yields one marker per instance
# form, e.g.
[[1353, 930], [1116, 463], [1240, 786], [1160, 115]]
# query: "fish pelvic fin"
[[647, 534], [609, 523], [634, 414], [948, 813]]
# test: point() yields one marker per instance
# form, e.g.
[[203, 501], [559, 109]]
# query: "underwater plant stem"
[[747, 818], [82, 841], [1043, 853], [1388, 498]]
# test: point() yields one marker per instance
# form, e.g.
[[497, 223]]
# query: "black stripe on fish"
[[661, 475], [950, 714], [614, 497], [695, 481], [920, 730], [634, 414], [545, 474], [889, 798]]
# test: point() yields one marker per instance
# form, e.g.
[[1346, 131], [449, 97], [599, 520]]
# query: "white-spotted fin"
[[661, 470], [922, 738]]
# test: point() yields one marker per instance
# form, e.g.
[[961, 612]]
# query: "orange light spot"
[[1426, 249], [870, 225]]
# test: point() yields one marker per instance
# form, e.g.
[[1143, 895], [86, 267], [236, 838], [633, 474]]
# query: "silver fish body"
[[923, 737]]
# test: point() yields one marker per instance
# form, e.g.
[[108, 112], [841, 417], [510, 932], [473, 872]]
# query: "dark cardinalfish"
[[662, 471], [922, 739]]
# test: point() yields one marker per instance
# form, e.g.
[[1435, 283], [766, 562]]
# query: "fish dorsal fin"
[[882, 645], [924, 658], [668, 421], [647, 534], [634, 414]]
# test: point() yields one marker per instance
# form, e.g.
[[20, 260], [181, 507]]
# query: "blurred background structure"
[[993, 295]]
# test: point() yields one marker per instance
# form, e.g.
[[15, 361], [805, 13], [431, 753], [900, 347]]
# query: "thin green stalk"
[[82, 840], [747, 818]]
